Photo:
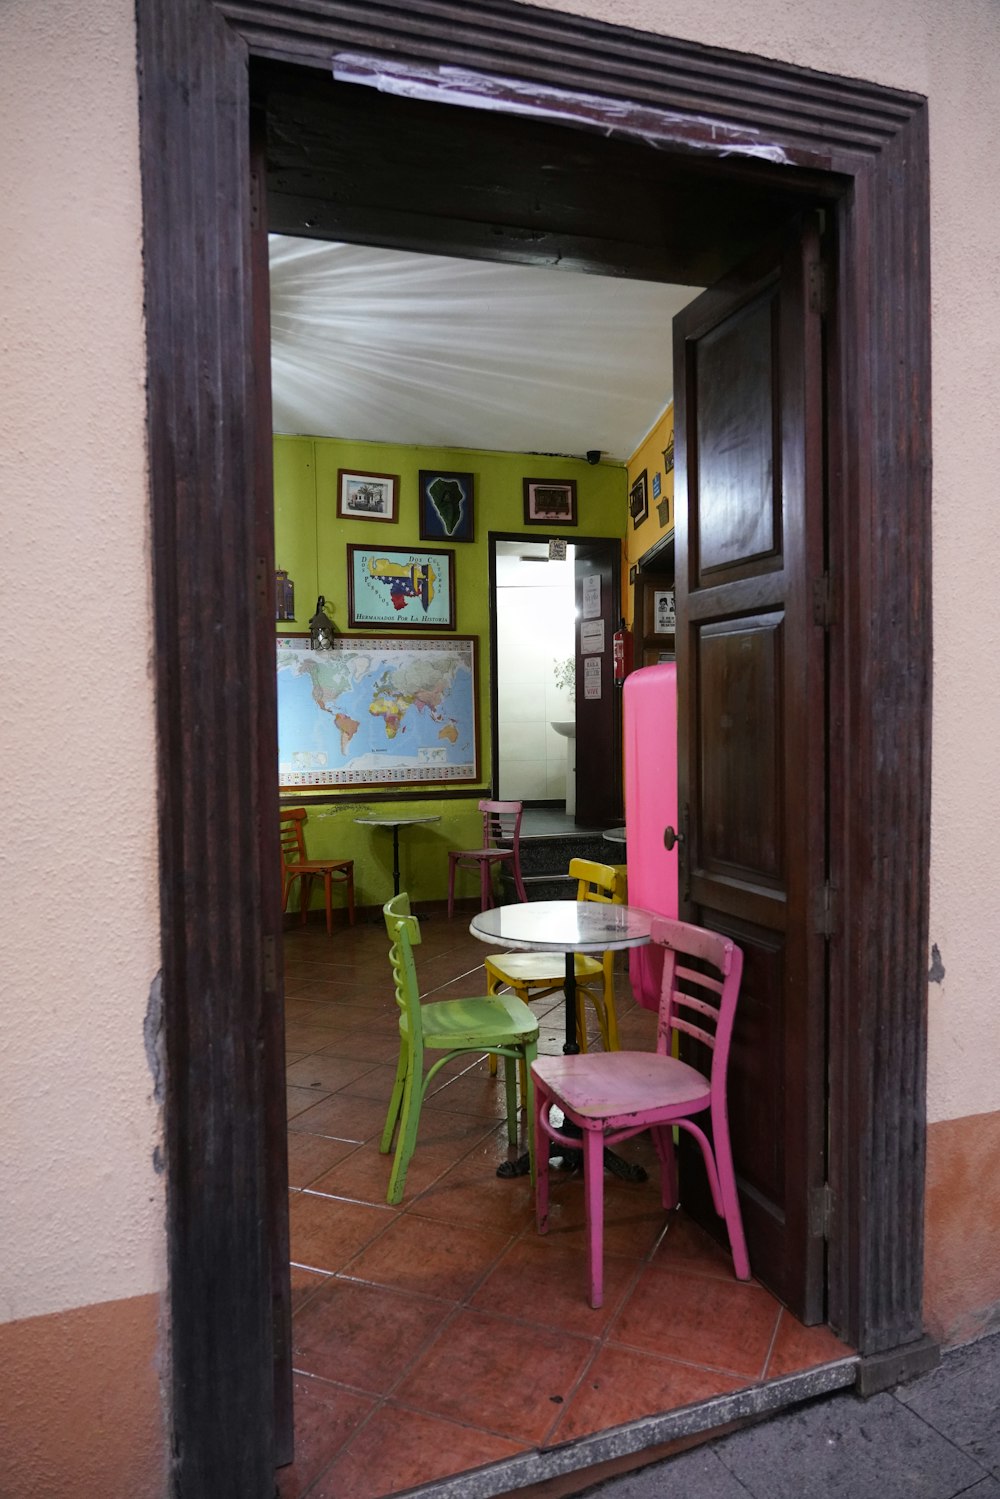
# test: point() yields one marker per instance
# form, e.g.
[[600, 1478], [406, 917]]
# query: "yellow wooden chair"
[[533, 975]]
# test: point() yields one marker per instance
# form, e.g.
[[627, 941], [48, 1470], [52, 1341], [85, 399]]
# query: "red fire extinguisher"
[[622, 640]]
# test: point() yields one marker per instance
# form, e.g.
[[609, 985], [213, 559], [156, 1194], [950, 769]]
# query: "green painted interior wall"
[[310, 544]]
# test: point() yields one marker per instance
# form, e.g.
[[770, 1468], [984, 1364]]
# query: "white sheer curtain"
[[426, 350]]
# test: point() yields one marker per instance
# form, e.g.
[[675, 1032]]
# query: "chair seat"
[[475, 1022], [541, 967], [621, 1087]]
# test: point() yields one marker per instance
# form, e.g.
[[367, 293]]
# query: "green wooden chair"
[[502, 1026]]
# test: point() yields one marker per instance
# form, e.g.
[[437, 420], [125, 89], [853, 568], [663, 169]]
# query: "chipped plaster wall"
[[81, 1206], [948, 53]]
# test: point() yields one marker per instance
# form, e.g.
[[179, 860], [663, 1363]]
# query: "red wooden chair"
[[610, 1096], [501, 845], [295, 866]]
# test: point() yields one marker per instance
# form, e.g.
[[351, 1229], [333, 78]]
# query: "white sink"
[[566, 729]]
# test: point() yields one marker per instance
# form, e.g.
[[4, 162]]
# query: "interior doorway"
[[560, 664], [821, 144]]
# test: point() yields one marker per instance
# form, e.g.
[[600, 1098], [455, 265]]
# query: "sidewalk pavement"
[[936, 1438]]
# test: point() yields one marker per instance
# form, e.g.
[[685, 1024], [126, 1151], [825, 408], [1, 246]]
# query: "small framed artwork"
[[638, 500], [664, 612], [446, 506], [550, 502], [396, 588], [367, 496]]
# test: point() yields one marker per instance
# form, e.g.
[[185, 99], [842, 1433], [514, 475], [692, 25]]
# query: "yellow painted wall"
[[660, 520], [310, 543]]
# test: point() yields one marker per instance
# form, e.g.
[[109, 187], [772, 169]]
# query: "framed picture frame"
[[550, 502], [638, 499], [400, 588], [446, 505], [362, 496]]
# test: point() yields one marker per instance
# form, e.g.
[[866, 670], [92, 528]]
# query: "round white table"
[[396, 823], [569, 926]]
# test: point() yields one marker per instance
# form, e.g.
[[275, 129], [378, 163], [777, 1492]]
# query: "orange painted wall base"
[[962, 1223], [80, 1404]]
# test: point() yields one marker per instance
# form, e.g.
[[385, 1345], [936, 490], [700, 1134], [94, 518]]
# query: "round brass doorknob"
[[670, 837]]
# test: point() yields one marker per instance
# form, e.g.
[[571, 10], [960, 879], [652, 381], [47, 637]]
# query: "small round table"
[[569, 926], [396, 823], [614, 835]]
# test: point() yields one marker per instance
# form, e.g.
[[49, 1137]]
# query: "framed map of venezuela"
[[377, 711]]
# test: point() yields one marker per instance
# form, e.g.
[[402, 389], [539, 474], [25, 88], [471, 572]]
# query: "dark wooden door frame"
[[863, 147]]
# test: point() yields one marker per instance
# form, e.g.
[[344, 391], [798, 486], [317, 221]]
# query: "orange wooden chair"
[[295, 866], [501, 845]]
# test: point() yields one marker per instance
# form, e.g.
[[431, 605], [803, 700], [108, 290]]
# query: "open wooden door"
[[598, 696], [751, 658]]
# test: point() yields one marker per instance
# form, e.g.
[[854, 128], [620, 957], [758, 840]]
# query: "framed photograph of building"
[[367, 496]]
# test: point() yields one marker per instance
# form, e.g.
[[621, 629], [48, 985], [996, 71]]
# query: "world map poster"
[[377, 711]]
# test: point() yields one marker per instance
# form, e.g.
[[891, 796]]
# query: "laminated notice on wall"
[[592, 637], [592, 597], [592, 677]]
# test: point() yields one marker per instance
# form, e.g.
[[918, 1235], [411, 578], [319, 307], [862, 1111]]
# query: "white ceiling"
[[425, 350]]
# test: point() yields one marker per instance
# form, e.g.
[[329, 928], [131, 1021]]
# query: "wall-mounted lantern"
[[322, 630]]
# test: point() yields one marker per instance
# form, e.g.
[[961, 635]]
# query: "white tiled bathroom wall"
[[535, 629]]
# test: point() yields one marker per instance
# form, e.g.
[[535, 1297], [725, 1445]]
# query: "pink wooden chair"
[[610, 1096], [501, 845]]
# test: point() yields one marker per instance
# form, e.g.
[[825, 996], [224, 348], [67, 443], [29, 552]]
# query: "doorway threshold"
[[606, 1454]]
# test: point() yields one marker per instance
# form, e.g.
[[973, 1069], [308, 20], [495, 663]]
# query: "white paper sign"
[[592, 597], [592, 677], [665, 611], [592, 637]]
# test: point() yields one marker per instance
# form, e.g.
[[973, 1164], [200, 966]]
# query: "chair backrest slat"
[[686, 996], [501, 823], [596, 882], [293, 843], [404, 934]]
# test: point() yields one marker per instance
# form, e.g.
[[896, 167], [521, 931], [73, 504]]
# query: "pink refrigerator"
[[650, 732]]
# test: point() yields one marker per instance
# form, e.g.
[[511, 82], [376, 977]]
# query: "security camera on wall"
[[593, 455]]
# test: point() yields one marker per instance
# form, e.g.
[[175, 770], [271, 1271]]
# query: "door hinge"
[[821, 1209], [823, 602], [826, 910], [270, 957], [819, 287]]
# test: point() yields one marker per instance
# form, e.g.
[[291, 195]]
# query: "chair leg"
[[541, 1158], [451, 885], [409, 1119], [328, 897], [522, 894], [593, 1187], [663, 1139], [395, 1099], [730, 1197], [305, 893], [510, 1089], [350, 894], [528, 1099], [485, 884]]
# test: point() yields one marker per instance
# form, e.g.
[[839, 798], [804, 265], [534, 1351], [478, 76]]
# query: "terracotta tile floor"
[[445, 1334]]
